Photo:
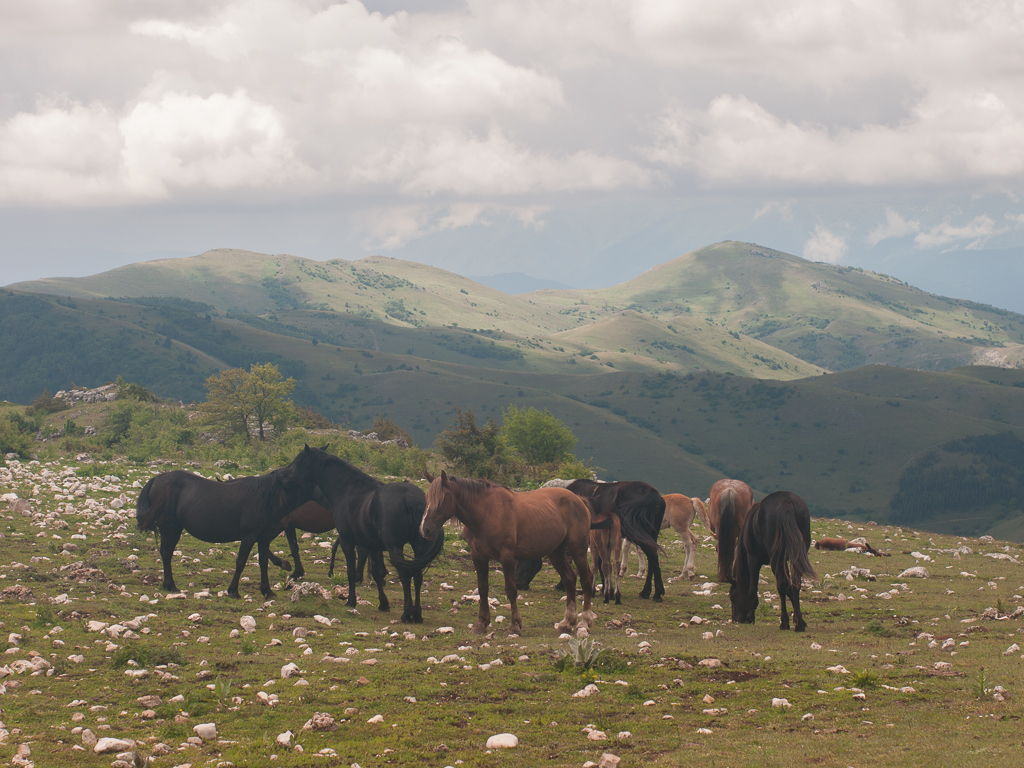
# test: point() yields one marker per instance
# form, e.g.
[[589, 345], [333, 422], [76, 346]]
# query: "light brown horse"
[[502, 525], [680, 512], [730, 502]]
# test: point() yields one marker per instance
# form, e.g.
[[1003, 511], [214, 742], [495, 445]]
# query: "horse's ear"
[[325, 447], [430, 477], [306, 449], [444, 477]]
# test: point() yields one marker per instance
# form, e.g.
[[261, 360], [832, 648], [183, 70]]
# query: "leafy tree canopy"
[[241, 400], [537, 436]]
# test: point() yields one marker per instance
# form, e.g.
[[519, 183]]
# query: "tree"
[[537, 436], [239, 399], [473, 451]]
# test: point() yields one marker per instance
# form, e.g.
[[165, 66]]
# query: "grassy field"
[[894, 636]]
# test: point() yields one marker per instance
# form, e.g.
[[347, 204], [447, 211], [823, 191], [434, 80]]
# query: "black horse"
[[777, 532], [379, 517], [247, 510], [640, 509]]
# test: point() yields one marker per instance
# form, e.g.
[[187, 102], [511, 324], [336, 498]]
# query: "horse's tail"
[[728, 534], [641, 522], [790, 547], [145, 514]]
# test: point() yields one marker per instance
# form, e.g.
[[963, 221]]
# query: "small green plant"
[[582, 655], [999, 605], [983, 687], [221, 689], [44, 614], [248, 646], [764, 611], [864, 679]]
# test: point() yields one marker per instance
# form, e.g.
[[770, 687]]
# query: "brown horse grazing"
[[502, 525], [679, 514], [730, 502], [777, 532]]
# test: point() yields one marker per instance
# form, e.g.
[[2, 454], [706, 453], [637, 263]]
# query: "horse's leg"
[[334, 552], [417, 611], [170, 535], [690, 545], [362, 555], [624, 546], [508, 568], [798, 617], [782, 586], [641, 563], [293, 545], [483, 618], [244, 548], [378, 571], [560, 562], [263, 556], [653, 573], [350, 565], [616, 536]]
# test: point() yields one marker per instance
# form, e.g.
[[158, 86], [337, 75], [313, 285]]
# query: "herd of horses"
[[319, 492]]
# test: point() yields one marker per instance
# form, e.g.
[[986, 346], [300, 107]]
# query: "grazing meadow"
[[893, 670]]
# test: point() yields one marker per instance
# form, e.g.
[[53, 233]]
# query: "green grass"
[[457, 708]]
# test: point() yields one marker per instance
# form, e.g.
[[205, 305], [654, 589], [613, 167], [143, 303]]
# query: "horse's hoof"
[[384, 609], [645, 597], [657, 598], [618, 599], [478, 628], [235, 595], [285, 565]]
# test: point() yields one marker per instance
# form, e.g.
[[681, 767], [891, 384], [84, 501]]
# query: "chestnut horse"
[[502, 525], [777, 532], [730, 502]]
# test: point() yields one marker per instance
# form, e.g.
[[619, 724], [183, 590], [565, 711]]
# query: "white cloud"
[[784, 208], [894, 226], [978, 231], [387, 228], [825, 245]]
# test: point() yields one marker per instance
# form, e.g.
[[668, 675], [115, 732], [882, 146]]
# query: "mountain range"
[[733, 359]]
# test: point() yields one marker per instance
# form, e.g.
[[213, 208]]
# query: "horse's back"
[[679, 511], [545, 518]]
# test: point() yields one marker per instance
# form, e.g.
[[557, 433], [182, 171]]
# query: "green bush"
[[537, 436]]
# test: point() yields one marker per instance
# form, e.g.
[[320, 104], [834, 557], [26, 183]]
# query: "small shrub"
[[582, 655], [864, 679], [982, 686]]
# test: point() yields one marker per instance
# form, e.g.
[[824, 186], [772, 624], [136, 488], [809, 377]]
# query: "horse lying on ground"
[[248, 510], [502, 525], [379, 517], [777, 532], [679, 513], [730, 502], [840, 545]]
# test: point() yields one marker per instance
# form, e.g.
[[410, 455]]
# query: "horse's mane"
[[322, 457], [471, 489]]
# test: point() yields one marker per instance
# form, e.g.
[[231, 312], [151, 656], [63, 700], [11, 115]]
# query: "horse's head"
[[744, 603], [440, 506]]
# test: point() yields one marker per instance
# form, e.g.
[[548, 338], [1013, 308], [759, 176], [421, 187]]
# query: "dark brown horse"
[[248, 510], [502, 525], [777, 532], [730, 502], [379, 517], [641, 510]]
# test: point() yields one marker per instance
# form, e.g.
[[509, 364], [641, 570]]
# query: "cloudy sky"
[[577, 141]]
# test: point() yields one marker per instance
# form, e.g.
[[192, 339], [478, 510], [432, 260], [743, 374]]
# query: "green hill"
[[706, 366]]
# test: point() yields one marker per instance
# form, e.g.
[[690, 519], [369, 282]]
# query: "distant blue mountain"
[[516, 282]]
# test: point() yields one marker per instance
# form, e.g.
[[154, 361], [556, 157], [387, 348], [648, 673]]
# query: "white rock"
[[322, 620], [1012, 649], [289, 670], [589, 690], [807, 718], [917, 572], [445, 630], [503, 741], [285, 739], [781, 703], [710, 663], [597, 736], [376, 719], [608, 760], [108, 744], [205, 731], [248, 623]]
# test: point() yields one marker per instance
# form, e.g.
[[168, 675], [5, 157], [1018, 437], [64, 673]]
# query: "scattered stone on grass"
[[503, 741]]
